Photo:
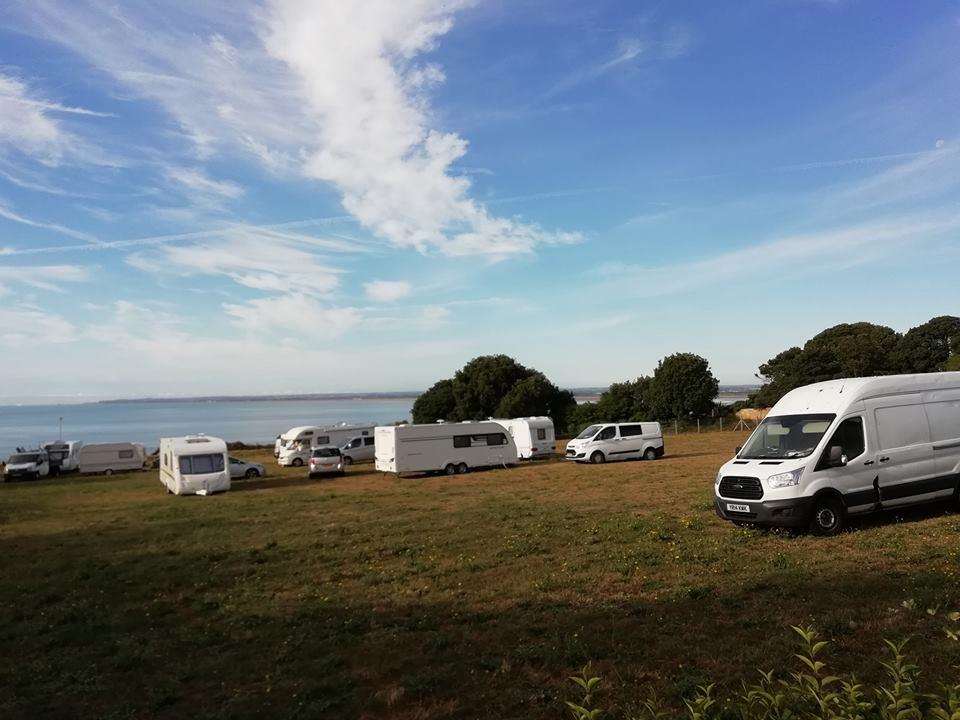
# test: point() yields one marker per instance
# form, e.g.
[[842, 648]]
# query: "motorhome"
[[109, 458], [64, 455], [443, 447], [534, 436], [297, 443], [29, 465], [194, 465], [608, 442], [845, 447], [358, 449]]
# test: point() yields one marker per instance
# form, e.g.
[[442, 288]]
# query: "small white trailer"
[[297, 443], [194, 465], [443, 447], [534, 436], [109, 458], [64, 454]]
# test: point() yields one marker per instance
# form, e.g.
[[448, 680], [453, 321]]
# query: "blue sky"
[[224, 197]]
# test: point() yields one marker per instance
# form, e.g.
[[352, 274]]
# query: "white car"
[[27, 466], [243, 469], [325, 461], [607, 442]]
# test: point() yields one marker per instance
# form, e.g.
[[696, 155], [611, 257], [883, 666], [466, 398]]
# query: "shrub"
[[808, 693]]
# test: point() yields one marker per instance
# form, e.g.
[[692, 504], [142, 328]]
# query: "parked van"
[[443, 447], [607, 442], [194, 465], [64, 455], [358, 449], [844, 447], [109, 458], [534, 436], [30, 465], [296, 443]]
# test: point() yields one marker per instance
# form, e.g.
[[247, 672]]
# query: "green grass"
[[473, 596]]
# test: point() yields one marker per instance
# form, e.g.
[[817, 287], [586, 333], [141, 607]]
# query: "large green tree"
[[482, 383], [437, 403], [682, 385], [927, 347], [536, 395], [626, 401]]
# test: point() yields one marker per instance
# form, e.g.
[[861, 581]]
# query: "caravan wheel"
[[108, 471], [450, 469], [462, 468]]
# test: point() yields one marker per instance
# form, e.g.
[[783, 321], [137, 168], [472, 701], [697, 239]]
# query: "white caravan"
[[194, 465], [296, 443], [358, 449], [64, 455], [109, 458], [843, 447], [33, 465], [443, 447], [607, 442], [534, 436]]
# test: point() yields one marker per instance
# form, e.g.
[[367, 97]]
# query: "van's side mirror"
[[737, 450], [837, 458]]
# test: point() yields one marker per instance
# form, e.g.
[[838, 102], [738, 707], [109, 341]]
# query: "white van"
[[109, 458], [297, 443], [443, 447], [607, 442], [843, 447], [534, 436], [64, 455], [358, 449], [30, 465], [194, 465]]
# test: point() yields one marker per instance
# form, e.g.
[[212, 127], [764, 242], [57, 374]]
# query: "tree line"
[[859, 350], [498, 386]]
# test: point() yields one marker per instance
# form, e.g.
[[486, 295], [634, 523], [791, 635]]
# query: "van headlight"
[[787, 479], [717, 479]]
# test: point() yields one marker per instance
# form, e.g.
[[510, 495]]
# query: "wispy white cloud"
[[42, 277], [295, 313], [386, 290], [8, 214], [196, 181], [23, 324]]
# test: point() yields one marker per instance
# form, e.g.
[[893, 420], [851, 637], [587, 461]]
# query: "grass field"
[[473, 596]]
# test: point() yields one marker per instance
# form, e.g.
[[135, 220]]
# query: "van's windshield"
[[786, 436], [589, 432], [23, 459]]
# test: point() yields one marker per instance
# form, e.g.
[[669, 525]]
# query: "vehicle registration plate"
[[736, 507]]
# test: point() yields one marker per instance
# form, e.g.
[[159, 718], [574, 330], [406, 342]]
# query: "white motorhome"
[[297, 443], [194, 465], [534, 436], [109, 458], [608, 442], [844, 447], [32, 464], [443, 447], [64, 455]]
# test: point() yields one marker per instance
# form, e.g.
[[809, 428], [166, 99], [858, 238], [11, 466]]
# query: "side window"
[[541, 433], [369, 441], [461, 441], [849, 436], [365, 432], [323, 439], [607, 433], [126, 454], [496, 439], [902, 426], [355, 443]]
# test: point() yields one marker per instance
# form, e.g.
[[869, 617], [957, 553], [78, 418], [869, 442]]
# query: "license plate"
[[735, 507]]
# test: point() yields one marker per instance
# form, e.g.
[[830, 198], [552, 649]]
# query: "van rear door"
[[905, 462]]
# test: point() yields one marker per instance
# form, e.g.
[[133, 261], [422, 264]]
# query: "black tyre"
[[108, 471], [827, 518], [347, 460], [598, 458], [251, 473], [462, 468], [450, 469], [297, 462], [649, 454]]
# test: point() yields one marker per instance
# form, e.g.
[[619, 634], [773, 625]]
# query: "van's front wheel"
[[650, 454], [597, 458], [297, 462], [827, 518]]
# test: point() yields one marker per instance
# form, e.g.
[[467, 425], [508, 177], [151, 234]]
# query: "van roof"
[[833, 396]]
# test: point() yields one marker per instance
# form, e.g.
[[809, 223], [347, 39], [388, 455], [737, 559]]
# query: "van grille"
[[741, 488]]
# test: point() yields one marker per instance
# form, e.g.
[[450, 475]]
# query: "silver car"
[[243, 469]]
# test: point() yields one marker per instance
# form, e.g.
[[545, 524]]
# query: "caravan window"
[[902, 426], [322, 440], [465, 441], [200, 464], [125, 454], [944, 420], [496, 439], [541, 433]]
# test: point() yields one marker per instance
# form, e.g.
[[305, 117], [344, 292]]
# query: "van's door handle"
[[869, 462], [884, 458]]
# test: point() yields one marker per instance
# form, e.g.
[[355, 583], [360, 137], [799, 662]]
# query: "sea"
[[249, 421]]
